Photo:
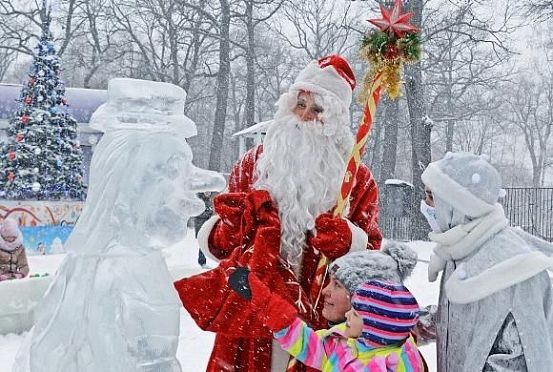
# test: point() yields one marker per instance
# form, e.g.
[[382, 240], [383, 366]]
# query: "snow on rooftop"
[[82, 102], [394, 181]]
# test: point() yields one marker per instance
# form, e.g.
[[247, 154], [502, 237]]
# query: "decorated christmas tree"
[[42, 158]]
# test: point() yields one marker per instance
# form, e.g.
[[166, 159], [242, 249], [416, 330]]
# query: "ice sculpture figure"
[[112, 306]]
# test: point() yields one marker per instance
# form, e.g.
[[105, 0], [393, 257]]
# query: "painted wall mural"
[[45, 225]]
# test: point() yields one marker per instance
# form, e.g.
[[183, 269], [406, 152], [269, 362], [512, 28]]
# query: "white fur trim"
[[359, 238], [455, 194], [503, 275], [324, 80], [203, 236], [460, 241]]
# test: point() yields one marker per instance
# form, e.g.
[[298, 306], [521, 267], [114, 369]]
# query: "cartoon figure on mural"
[[41, 249]]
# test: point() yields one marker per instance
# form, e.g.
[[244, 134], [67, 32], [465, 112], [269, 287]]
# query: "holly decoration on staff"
[[395, 41]]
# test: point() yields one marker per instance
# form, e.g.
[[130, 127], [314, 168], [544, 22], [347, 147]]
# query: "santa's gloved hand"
[[274, 311], [235, 227], [238, 281], [261, 206], [333, 236]]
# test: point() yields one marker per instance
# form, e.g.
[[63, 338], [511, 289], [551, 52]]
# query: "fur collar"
[[460, 241], [490, 257]]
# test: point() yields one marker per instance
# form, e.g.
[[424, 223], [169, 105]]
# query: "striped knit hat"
[[389, 312]]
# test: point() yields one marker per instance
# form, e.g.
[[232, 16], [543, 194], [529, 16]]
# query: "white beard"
[[302, 167]]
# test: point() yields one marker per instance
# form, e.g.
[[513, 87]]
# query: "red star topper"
[[394, 21]]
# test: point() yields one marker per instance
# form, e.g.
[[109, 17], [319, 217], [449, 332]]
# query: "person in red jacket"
[[301, 164]]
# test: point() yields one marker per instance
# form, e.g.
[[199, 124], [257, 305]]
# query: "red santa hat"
[[331, 75]]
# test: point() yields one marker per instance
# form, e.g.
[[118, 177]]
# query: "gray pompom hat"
[[393, 263]]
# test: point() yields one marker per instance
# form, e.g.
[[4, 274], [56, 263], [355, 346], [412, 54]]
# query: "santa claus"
[[301, 164]]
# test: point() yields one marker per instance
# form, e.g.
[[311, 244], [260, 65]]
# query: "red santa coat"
[[254, 355]]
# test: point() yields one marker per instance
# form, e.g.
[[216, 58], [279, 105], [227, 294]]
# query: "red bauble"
[[391, 52], [11, 176], [25, 119], [29, 100], [20, 137], [11, 156]]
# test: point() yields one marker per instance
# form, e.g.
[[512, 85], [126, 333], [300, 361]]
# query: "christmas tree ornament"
[[11, 155], [20, 137], [38, 151], [11, 176], [25, 119], [35, 170], [29, 100], [35, 187]]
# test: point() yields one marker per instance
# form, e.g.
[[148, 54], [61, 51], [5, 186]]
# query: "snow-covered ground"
[[195, 345]]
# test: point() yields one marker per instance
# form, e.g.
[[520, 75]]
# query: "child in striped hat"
[[376, 336], [383, 313]]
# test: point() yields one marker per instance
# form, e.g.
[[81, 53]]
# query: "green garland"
[[384, 46]]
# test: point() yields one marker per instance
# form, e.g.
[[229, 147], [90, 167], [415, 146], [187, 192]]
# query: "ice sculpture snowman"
[[112, 306]]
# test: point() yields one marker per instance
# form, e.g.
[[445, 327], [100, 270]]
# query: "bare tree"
[[390, 141], [420, 126], [20, 23], [7, 58], [464, 53], [530, 109], [252, 13], [223, 77], [320, 27], [540, 9]]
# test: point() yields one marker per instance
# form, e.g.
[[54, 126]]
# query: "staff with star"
[[394, 42]]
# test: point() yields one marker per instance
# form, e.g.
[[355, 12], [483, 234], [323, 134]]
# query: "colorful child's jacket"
[[330, 351]]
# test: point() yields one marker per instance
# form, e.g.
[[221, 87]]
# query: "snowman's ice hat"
[[143, 104]]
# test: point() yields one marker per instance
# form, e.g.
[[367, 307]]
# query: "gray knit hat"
[[394, 262], [465, 181]]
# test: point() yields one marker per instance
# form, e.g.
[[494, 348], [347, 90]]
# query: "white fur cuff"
[[359, 238], [462, 290], [203, 236]]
